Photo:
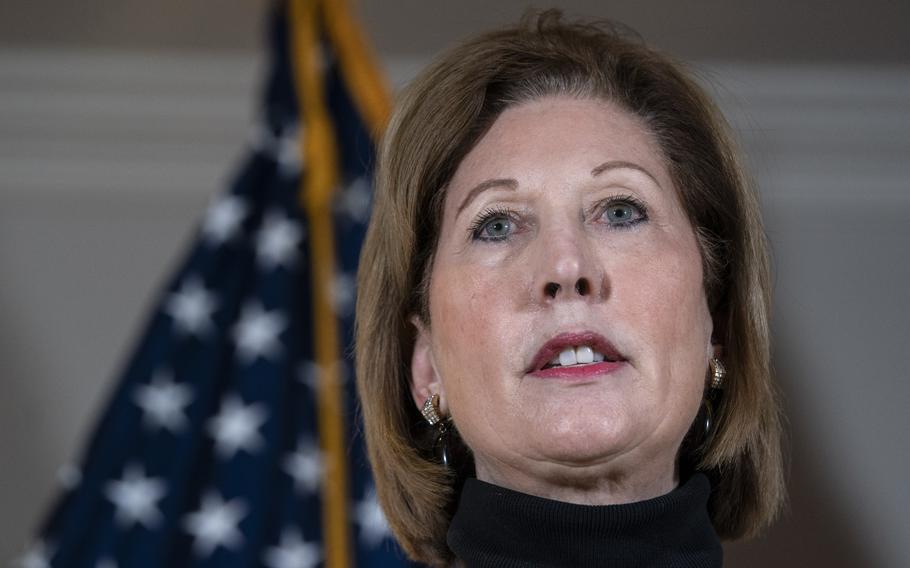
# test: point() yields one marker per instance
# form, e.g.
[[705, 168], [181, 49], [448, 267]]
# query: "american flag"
[[231, 438]]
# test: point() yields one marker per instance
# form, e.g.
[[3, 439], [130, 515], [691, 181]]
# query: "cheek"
[[667, 313], [479, 327], [461, 305], [471, 326], [672, 299]]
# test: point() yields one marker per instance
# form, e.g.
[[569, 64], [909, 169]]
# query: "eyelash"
[[497, 212], [626, 199], [485, 217]]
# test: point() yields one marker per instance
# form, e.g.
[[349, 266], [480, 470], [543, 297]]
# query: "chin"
[[581, 442]]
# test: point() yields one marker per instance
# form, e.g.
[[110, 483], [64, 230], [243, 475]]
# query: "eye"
[[624, 212], [493, 225]]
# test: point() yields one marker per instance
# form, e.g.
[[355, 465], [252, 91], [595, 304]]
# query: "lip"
[[553, 347], [581, 372]]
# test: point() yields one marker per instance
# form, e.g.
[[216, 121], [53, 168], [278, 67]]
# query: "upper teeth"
[[577, 356]]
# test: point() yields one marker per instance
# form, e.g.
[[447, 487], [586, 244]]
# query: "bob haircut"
[[439, 118]]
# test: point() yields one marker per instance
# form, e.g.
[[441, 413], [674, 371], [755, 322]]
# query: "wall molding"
[[122, 122], [107, 121]]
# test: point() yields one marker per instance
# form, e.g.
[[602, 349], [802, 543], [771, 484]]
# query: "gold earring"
[[431, 410], [431, 413], [718, 372]]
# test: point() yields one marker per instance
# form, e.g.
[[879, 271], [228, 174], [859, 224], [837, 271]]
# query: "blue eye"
[[623, 212], [498, 228], [493, 225]]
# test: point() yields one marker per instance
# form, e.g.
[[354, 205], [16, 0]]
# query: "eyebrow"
[[505, 183], [619, 164], [512, 184]]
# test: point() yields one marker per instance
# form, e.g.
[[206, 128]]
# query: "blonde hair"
[[438, 119]]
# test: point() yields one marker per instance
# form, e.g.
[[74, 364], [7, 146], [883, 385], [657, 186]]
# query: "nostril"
[[582, 287], [551, 289]]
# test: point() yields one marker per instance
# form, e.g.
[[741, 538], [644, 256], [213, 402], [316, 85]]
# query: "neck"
[[591, 484]]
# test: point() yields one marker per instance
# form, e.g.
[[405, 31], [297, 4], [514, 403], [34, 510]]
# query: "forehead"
[[538, 140]]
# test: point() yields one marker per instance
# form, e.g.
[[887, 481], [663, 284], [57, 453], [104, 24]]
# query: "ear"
[[718, 335], [716, 350], [425, 380]]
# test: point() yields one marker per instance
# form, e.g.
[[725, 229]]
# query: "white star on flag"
[[69, 476], [311, 373], [354, 201], [342, 293], [163, 402], [293, 552], [37, 556], [284, 148], [256, 334], [305, 466], [276, 243], [261, 138], [191, 308], [223, 218], [236, 427], [215, 524], [373, 525], [287, 151], [135, 498]]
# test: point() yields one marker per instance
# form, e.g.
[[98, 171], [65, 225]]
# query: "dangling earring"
[[718, 372], [709, 418], [431, 413]]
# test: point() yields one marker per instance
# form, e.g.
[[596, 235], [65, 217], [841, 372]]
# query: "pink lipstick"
[[612, 359]]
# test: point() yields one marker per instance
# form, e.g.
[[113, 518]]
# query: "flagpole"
[[358, 65], [320, 166]]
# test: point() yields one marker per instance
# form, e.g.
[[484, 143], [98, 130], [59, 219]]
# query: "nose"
[[568, 269], [582, 288]]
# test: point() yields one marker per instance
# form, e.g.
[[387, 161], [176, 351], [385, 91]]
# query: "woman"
[[562, 345]]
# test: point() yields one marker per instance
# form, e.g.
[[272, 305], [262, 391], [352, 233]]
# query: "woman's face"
[[570, 334]]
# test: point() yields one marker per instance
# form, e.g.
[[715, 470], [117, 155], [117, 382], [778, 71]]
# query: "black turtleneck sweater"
[[497, 527]]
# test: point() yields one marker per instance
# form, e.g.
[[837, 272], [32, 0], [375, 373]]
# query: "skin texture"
[[608, 439]]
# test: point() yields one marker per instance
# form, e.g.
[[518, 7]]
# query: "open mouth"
[[574, 349], [576, 356]]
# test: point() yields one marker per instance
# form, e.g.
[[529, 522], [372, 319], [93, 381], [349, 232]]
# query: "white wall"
[[107, 158]]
